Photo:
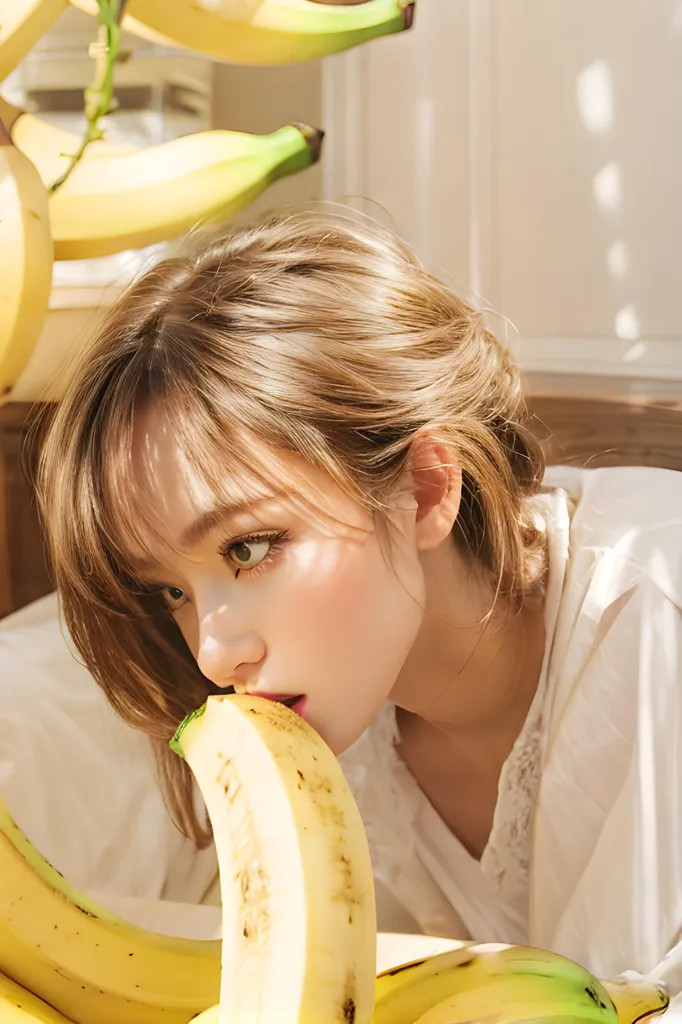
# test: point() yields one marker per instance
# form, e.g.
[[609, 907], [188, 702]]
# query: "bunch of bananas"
[[123, 197], [120, 198], [299, 925], [115, 199]]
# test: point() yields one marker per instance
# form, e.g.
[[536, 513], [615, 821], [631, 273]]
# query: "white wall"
[[532, 150], [253, 99]]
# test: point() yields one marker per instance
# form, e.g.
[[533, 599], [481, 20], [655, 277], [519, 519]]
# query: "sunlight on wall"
[[617, 259], [594, 89], [595, 97], [627, 323], [677, 16], [608, 188]]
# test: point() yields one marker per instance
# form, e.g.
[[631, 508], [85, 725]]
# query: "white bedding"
[[81, 783]]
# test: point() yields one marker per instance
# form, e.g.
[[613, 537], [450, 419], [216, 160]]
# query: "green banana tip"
[[174, 743], [408, 15], [313, 136]]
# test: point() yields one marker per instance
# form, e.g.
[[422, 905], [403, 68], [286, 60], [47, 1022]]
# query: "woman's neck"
[[471, 673], [463, 696]]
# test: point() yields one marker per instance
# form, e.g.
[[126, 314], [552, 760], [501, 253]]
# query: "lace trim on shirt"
[[507, 855], [506, 858]]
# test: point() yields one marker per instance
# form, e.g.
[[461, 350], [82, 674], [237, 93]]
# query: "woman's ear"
[[435, 482]]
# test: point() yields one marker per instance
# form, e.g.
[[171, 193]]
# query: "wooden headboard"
[[24, 575], [580, 428]]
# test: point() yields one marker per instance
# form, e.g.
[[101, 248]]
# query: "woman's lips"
[[295, 703], [299, 705]]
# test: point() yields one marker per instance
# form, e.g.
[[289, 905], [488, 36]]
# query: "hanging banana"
[[117, 201], [22, 24], [262, 31], [50, 147], [26, 255]]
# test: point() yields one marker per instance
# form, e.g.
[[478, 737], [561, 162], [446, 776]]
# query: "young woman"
[[295, 464]]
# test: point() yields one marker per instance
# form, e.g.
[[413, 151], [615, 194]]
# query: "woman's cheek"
[[332, 584], [342, 592], [186, 621]]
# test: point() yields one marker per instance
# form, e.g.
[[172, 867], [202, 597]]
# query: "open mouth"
[[289, 701], [297, 704]]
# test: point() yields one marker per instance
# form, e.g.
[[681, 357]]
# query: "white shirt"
[[585, 853]]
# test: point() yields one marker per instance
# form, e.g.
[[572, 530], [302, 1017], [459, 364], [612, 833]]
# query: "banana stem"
[[99, 96]]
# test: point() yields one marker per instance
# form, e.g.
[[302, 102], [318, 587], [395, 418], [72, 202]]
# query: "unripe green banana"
[[262, 31], [130, 200], [488, 976]]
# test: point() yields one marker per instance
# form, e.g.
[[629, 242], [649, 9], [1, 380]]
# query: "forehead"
[[181, 481], [180, 478], [164, 474]]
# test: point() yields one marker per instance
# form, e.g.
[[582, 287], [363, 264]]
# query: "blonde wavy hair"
[[312, 333]]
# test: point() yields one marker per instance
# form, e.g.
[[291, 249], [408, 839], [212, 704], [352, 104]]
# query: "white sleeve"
[[608, 832]]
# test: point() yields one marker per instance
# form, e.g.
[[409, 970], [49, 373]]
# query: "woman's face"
[[268, 600]]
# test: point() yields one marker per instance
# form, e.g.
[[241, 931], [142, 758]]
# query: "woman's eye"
[[248, 553], [255, 553], [251, 554], [173, 597]]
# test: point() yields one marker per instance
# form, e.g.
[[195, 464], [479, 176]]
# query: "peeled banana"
[[299, 918], [130, 200], [84, 961], [19, 1006], [26, 254], [262, 31], [22, 24]]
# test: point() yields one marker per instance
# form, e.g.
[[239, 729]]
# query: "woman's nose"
[[224, 655]]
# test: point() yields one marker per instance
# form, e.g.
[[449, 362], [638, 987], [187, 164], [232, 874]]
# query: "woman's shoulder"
[[625, 528], [608, 497], [616, 573]]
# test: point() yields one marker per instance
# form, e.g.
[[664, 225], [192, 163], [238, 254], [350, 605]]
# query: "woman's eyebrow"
[[222, 512]]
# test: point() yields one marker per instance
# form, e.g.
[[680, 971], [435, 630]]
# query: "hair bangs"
[[238, 450]]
